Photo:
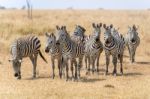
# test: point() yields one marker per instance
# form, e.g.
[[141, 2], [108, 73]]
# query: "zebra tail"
[[42, 56]]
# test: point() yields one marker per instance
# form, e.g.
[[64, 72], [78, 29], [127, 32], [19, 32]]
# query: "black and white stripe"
[[55, 51], [132, 41], [121, 46], [78, 34], [28, 46], [93, 48], [70, 51], [111, 48]]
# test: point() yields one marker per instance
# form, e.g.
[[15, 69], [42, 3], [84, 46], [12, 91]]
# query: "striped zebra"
[[53, 48], [112, 47], [93, 48], [132, 41], [121, 46], [28, 46], [78, 34], [70, 51]]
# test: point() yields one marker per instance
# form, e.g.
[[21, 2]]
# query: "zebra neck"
[[66, 46], [54, 49]]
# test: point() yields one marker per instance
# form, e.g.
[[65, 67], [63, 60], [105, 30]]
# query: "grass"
[[134, 84]]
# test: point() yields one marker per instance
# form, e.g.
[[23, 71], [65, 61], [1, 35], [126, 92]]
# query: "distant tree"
[[29, 5], [2, 7], [23, 7], [70, 8]]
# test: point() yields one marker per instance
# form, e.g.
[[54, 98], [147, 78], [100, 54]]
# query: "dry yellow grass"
[[135, 84]]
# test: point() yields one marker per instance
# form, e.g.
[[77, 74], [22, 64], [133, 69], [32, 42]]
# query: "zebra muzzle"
[[16, 75], [46, 50]]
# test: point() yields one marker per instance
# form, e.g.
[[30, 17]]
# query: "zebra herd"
[[74, 48]]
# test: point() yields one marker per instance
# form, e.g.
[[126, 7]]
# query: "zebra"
[[121, 46], [132, 41], [28, 46], [53, 48], [111, 48], [78, 34], [93, 48], [70, 51]]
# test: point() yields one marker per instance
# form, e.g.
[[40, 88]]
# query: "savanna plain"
[[134, 84]]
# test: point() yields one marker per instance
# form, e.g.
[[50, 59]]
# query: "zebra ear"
[[57, 27], [100, 25], [129, 27], [93, 24], [64, 27], [134, 27], [47, 35], [111, 26], [52, 34], [104, 25]]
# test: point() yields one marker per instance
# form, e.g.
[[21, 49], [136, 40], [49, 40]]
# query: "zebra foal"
[[53, 48]]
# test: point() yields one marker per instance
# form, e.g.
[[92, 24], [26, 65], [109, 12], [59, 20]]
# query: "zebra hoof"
[[114, 74], [19, 77]]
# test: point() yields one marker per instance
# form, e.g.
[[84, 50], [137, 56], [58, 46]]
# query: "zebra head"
[[62, 35], [16, 61], [79, 30], [97, 30], [108, 38], [50, 42], [132, 33]]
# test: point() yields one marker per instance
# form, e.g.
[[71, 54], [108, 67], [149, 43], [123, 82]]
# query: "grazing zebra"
[[28, 46], [70, 51], [132, 41], [111, 48], [93, 48], [78, 35], [121, 45], [53, 48]]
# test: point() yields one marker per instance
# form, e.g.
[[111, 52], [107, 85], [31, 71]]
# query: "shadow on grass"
[[146, 63], [39, 77], [90, 80], [132, 74]]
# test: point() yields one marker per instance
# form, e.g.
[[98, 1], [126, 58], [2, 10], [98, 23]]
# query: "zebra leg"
[[107, 64], [72, 69], [33, 58], [86, 62], [67, 75], [132, 55], [76, 69], [53, 67], [115, 65], [93, 65], [88, 69], [19, 73], [129, 52], [60, 68], [121, 60], [98, 63], [79, 66]]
